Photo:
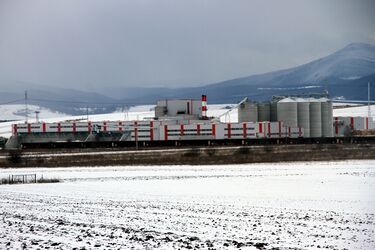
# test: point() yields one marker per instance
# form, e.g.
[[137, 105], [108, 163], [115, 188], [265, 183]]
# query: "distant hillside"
[[344, 73], [68, 101]]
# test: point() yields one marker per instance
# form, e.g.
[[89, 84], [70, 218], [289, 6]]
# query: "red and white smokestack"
[[204, 106]]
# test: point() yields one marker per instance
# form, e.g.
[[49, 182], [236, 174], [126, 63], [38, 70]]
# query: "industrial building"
[[186, 109], [186, 120]]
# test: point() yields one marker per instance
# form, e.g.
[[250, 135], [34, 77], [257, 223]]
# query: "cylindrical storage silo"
[[303, 112], [327, 119], [315, 119], [273, 111], [287, 112], [248, 112], [264, 112]]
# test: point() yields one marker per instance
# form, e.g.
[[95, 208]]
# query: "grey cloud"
[[89, 43]]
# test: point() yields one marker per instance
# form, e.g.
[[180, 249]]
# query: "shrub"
[[243, 150], [15, 156], [192, 152]]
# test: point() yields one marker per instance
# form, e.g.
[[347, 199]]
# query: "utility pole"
[[37, 116], [126, 114], [369, 100], [26, 108]]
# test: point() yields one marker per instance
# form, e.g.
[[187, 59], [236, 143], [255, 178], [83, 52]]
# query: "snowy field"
[[306, 205], [17, 112]]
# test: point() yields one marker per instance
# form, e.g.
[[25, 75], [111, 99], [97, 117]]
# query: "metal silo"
[[248, 112], [315, 119], [287, 112], [264, 112], [303, 112], [327, 119], [273, 111]]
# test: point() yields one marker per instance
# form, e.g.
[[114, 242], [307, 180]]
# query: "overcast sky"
[[90, 43]]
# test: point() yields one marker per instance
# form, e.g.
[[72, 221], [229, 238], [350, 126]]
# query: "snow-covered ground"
[[285, 205], [18, 111]]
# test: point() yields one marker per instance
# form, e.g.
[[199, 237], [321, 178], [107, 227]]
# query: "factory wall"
[[344, 125]]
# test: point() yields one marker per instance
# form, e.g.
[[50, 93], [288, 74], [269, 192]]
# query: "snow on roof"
[[300, 99]]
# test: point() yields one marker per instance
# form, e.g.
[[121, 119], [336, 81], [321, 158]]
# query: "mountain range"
[[344, 74]]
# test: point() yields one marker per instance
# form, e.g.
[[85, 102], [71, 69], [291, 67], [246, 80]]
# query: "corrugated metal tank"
[[287, 112], [303, 112], [160, 111], [273, 112], [248, 112], [264, 111], [315, 119], [327, 119]]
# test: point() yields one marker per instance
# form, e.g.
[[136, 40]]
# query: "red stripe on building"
[[289, 131], [198, 129], [336, 125], [229, 130], [269, 129], [89, 127], [58, 127], [166, 132], [244, 130], [43, 127], [119, 126], [151, 130], [14, 128], [104, 126], [352, 122], [366, 122], [29, 128], [136, 133], [214, 130], [182, 130], [260, 127]]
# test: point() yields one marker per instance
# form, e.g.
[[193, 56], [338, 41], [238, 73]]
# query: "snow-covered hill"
[[18, 111]]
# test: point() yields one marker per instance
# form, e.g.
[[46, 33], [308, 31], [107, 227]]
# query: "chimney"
[[204, 107]]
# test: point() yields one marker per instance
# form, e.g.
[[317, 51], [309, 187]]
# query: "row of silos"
[[248, 112], [254, 112], [312, 114]]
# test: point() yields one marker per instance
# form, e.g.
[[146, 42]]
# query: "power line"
[[10, 102], [82, 102]]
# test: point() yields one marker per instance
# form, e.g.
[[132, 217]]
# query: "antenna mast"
[[26, 108]]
